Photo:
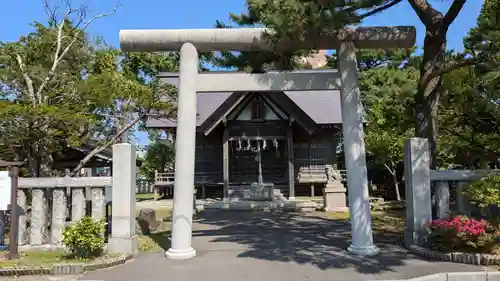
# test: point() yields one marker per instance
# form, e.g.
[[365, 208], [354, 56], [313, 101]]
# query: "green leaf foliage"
[[388, 98], [485, 192], [53, 99], [85, 238]]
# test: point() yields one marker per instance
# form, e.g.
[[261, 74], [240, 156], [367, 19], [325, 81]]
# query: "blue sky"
[[133, 14]]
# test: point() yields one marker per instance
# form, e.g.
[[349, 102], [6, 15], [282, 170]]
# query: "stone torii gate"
[[191, 41]]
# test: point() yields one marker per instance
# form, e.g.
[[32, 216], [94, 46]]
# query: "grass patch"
[[154, 242], [145, 196], [46, 259], [386, 225]]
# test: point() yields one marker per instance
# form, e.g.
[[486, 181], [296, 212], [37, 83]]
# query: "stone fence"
[[418, 179], [47, 205]]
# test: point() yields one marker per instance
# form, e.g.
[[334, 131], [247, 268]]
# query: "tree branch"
[[454, 66], [424, 11], [27, 79], [59, 56], [380, 9], [452, 13], [104, 146], [389, 169]]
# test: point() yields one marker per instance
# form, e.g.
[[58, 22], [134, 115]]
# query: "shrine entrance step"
[[289, 206]]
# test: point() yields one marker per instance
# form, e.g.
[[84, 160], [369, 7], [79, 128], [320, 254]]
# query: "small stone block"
[[467, 276]]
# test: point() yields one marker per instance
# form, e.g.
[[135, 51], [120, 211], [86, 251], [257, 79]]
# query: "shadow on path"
[[292, 237]]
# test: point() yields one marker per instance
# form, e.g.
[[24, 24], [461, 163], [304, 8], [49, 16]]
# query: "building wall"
[[208, 158], [310, 152]]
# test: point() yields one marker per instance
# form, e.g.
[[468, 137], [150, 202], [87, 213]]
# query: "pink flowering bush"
[[462, 234]]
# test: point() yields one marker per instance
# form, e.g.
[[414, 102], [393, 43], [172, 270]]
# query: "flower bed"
[[462, 240], [462, 234]]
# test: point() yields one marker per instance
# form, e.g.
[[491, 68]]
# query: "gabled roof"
[[281, 101], [323, 107]]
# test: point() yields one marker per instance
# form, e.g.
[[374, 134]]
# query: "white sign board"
[[4, 190]]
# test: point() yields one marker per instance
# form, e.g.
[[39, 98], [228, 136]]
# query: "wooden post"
[[291, 167], [14, 215], [225, 165]]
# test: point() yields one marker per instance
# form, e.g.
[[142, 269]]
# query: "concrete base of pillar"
[[370, 250], [291, 198], [119, 245], [174, 254]]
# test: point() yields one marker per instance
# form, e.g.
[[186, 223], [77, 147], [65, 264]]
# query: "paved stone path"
[[275, 246]]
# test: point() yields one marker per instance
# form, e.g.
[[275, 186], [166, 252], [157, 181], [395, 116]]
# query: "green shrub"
[[85, 238], [485, 192]]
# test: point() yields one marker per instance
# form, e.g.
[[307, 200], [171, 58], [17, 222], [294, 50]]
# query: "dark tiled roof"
[[322, 106]]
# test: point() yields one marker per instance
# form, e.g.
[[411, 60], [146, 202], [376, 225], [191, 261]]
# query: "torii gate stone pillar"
[[192, 41]]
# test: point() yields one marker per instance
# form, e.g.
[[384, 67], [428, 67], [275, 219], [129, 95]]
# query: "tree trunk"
[[430, 90], [394, 173], [396, 185]]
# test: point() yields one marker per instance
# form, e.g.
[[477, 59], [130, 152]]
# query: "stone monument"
[[334, 193]]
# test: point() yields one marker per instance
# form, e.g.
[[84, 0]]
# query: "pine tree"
[[483, 41], [256, 61]]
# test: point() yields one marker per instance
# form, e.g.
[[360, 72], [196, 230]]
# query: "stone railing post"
[[21, 202], [38, 216], [418, 189], [58, 215], [123, 238], [77, 203]]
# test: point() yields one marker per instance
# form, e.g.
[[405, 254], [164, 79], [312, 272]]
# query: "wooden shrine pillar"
[[291, 167], [225, 165]]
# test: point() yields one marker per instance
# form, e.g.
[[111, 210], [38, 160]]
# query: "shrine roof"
[[323, 107]]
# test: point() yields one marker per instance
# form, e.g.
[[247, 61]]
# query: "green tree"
[[42, 106], [301, 19], [256, 61], [159, 155], [388, 98], [129, 92], [61, 89]]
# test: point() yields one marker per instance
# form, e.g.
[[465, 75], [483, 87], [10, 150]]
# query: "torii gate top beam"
[[246, 39]]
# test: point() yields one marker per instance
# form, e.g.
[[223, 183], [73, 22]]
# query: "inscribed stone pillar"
[[98, 203], [123, 238], [417, 189], [443, 199], [354, 149], [182, 216], [38, 216], [58, 215], [21, 201], [77, 204]]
